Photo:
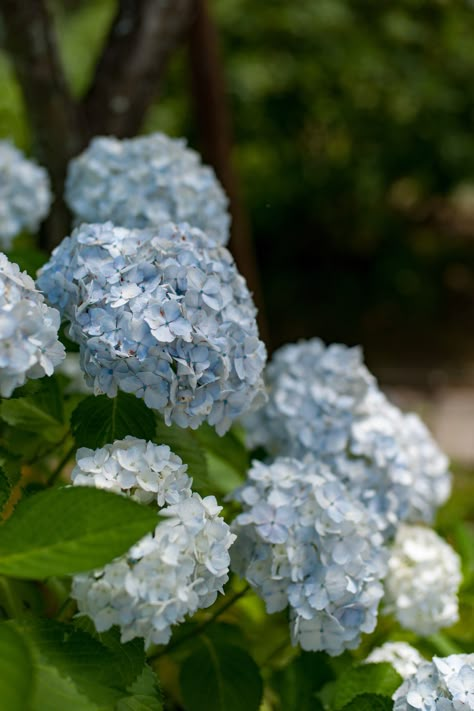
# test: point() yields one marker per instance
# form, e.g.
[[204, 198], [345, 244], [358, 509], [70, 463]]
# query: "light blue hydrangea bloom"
[[163, 314], [169, 574], [445, 684], [145, 182], [304, 542], [323, 400], [29, 346], [25, 195]]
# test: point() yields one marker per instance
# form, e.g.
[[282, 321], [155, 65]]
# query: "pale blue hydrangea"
[[424, 575], [304, 542], [444, 684], [404, 658], [29, 346], [145, 182], [169, 574], [323, 401], [146, 471], [163, 314], [25, 195]]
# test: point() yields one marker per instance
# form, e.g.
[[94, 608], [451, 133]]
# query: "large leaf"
[[185, 444], [26, 414], [16, 670], [220, 677], [379, 679], [370, 702], [68, 530], [101, 420], [71, 664]]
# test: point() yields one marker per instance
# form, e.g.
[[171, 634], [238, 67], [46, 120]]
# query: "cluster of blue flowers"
[[444, 684], [25, 195], [169, 574], [145, 182], [29, 346], [163, 314], [324, 401], [303, 541]]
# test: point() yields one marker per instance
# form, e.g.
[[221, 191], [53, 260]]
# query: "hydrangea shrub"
[[176, 511]]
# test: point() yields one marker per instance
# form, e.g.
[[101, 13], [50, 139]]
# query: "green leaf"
[[145, 694], [101, 420], [71, 663], [365, 679], [297, 682], [220, 677], [16, 670], [227, 459], [27, 415], [185, 444], [130, 656], [68, 530], [370, 702]]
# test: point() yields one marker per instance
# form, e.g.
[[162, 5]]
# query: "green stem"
[[202, 626]]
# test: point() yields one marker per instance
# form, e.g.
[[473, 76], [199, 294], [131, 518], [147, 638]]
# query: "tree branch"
[[127, 75], [215, 137], [31, 43]]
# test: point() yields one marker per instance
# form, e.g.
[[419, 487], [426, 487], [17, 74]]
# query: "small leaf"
[[185, 444], [68, 530], [369, 702], [365, 679], [26, 415], [101, 420], [220, 677], [16, 670]]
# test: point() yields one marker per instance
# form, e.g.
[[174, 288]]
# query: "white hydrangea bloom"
[[29, 346], [145, 182], [445, 684], [404, 658], [163, 314], [25, 195], [424, 574], [146, 471], [323, 401], [169, 574], [303, 541]]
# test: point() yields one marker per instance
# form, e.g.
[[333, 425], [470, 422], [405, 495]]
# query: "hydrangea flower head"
[[29, 346], [169, 574], [444, 684], [404, 658], [424, 574], [163, 314], [145, 182], [25, 195], [323, 401], [303, 542]]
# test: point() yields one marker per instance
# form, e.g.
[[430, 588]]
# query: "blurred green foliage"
[[353, 136]]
